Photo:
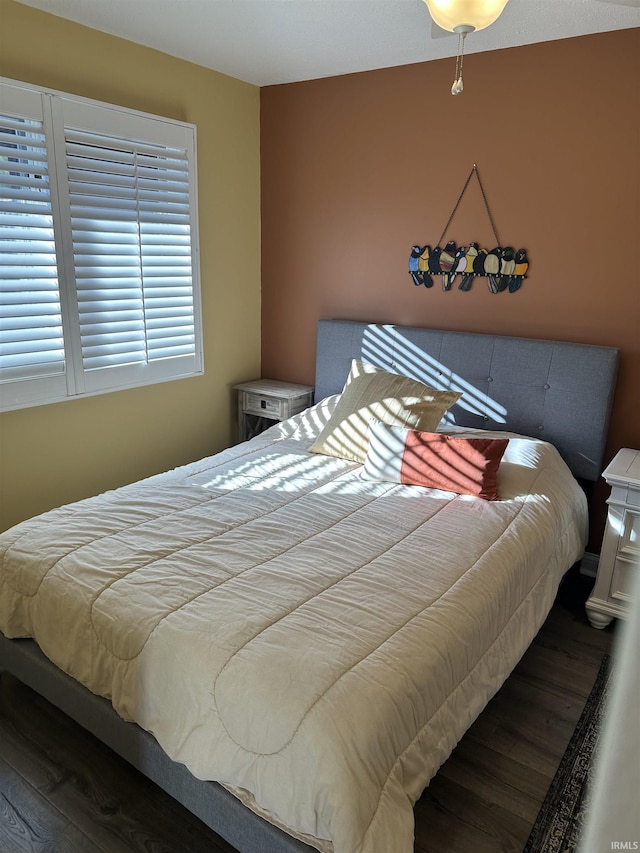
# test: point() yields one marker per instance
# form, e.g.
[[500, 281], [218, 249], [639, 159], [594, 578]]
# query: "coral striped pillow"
[[467, 466]]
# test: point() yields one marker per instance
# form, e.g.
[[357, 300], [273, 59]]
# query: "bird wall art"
[[503, 267]]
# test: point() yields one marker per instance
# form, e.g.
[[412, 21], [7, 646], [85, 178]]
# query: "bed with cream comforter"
[[316, 642]]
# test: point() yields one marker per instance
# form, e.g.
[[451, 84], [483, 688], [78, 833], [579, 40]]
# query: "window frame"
[[61, 114]]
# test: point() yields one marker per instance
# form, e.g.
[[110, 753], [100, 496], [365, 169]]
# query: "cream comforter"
[[316, 642]]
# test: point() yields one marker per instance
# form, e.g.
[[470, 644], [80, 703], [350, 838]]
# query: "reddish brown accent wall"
[[356, 169]]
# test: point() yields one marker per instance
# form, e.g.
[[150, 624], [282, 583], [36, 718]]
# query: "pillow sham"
[[467, 466], [370, 392]]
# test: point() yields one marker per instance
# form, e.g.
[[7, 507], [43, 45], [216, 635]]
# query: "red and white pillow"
[[467, 466]]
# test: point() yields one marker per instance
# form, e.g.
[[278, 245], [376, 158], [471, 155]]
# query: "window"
[[99, 278]]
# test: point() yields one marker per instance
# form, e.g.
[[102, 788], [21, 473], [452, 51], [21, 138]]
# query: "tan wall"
[[356, 169], [61, 452]]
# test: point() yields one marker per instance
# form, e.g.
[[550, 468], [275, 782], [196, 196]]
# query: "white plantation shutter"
[[31, 339], [124, 309], [130, 224]]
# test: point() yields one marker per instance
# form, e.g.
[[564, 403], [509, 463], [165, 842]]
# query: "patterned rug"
[[558, 824]]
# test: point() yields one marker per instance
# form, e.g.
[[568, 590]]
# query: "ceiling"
[[266, 42]]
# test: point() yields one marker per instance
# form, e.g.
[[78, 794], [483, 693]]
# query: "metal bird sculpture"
[[467, 275], [414, 268], [459, 263], [492, 268], [520, 270], [478, 262], [447, 258], [434, 260], [423, 266], [507, 268], [503, 267]]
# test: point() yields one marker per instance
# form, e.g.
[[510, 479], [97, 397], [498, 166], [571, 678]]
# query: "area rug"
[[559, 820]]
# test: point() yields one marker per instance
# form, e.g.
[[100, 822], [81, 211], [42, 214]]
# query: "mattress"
[[314, 641]]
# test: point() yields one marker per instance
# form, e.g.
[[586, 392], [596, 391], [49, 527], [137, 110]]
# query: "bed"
[[294, 641]]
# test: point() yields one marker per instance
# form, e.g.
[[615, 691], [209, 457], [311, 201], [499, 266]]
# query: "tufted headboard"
[[559, 392]]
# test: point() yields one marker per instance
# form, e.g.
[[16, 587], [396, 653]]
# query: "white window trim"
[[63, 113]]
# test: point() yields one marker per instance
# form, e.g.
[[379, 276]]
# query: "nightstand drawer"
[[629, 544], [257, 404], [622, 580], [624, 495]]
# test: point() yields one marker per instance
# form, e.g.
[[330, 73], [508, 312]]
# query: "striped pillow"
[[467, 466], [370, 392]]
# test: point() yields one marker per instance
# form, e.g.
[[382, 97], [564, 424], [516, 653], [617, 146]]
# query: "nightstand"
[[620, 554], [265, 401]]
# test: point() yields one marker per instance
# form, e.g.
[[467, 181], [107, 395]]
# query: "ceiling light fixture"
[[464, 17]]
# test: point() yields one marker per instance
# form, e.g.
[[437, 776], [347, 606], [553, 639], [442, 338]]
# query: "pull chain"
[[458, 85]]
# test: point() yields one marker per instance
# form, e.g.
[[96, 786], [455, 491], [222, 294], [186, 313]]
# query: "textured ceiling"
[[281, 41]]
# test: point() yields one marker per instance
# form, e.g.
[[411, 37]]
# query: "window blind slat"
[[13, 145], [31, 339], [25, 207], [24, 220]]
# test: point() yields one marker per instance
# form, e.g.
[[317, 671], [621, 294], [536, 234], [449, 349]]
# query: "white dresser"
[[620, 554]]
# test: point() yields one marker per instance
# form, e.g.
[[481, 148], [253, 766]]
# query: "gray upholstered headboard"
[[559, 392]]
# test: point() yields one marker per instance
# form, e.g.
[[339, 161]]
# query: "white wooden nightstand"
[[620, 554], [265, 401]]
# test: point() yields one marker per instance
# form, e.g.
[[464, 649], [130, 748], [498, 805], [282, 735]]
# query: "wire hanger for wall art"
[[503, 267]]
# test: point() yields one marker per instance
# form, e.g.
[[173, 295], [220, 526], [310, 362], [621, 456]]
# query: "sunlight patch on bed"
[[289, 472]]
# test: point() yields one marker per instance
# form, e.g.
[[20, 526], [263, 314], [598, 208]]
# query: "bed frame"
[[561, 392]]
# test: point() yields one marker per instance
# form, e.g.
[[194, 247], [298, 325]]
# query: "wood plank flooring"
[[61, 790]]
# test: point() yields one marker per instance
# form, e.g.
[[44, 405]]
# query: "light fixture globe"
[[473, 15]]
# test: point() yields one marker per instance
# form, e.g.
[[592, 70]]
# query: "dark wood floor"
[[62, 791]]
